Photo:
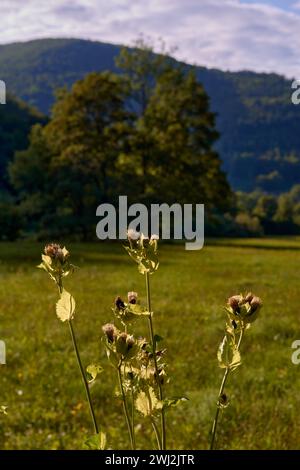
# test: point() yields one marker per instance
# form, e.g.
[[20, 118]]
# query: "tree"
[[172, 145], [71, 164]]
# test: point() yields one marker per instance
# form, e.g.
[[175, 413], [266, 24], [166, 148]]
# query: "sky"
[[259, 35]]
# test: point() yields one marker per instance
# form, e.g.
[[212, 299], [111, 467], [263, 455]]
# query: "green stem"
[[226, 374], [241, 337], [160, 392], [215, 423], [125, 408], [156, 432], [133, 418], [85, 383]]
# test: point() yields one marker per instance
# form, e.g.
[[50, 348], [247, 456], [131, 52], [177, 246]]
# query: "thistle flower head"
[[234, 302], [126, 345], [255, 303], [119, 303], [143, 251], [243, 309], [56, 252], [154, 237], [110, 331], [133, 234], [132, 297], [55, 261]]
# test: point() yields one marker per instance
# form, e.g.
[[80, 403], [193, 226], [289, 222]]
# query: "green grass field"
[[41, 384]]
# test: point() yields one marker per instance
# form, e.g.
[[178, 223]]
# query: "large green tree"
[[172, 144], [70, 166]]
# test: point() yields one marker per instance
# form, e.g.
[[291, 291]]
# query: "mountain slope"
[[16, 119], [260, 141]]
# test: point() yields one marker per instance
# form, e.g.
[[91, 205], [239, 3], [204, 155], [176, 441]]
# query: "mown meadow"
[[40, 383]]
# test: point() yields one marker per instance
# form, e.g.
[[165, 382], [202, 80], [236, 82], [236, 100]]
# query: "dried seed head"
[[54, 251], [132, 234], [154, 237], [132, 297], [119, 303], [110, 331], [255, 303], [123, 337], [130, 341], [234, 302]]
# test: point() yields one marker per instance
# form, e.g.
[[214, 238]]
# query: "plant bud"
[[132, 234], [56, 252], [110, 331], [234, 302], [223, 400], [132, 297], [255, 303], [119, 303], [154, 237], [121, 344], [130, 342]]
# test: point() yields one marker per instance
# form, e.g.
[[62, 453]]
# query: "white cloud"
[[225, 34]]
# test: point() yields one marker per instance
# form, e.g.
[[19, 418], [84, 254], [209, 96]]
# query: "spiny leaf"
[[147, 402], [175, 401], [65, 307], [96, 442], [228, 354], [93, 371]]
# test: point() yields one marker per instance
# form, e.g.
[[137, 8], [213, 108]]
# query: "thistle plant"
[[242, 311], [56, 262], [140, 364]]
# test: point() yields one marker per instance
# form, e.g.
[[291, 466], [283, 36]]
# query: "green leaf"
[[147, 402], [93, 370], [175, 401], [96, 442], [65, 307], [228, 354]]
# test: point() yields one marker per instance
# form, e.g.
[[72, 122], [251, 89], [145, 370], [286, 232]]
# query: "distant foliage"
[[149, 136], [260, 141]]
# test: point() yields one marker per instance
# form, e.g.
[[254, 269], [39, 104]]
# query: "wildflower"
[[133, 234], [234, 302], [119, 304], [243, 308], [255, 303], [132, 297], [154, 237], [110, 331], [55, 251]]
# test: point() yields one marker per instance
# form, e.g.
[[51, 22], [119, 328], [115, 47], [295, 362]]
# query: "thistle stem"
[[85, 383], [225, 376], [156, 432], [133, 418], [215, 423], [160, 392], [125, 408]]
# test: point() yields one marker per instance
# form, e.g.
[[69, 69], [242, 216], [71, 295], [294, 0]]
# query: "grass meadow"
[[41, 385]]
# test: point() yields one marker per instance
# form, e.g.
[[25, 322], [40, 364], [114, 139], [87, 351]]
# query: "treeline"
[[255, 214]]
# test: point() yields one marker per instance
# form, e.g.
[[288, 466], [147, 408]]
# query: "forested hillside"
[[260, 140]]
